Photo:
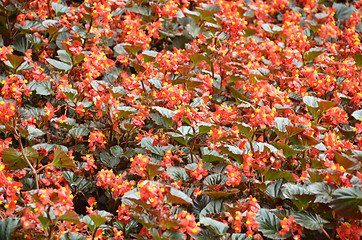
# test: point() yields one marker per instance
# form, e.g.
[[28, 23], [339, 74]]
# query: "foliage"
[[180, 119]]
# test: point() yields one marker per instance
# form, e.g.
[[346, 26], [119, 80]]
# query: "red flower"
[[49, 110]]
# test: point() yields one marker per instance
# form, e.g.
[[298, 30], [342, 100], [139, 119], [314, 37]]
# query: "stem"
[[33, 170], [90, 27], [51, 226], [94, 233], [325, 233], [127, 139], [50, 10]]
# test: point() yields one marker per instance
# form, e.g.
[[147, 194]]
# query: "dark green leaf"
[[177, 173], [273, 189], [59, 65], [216, 226], [116, 151], [343, 12], [7, 226], [147, 143], [173, 235], [269, 224], [79, 131], [322, 191], [178, 197], [213, 207], [164, 111], [347, 202], [357, 115], [309, 220], [22, 44], [273, 174], [211, 155], [281, 123]]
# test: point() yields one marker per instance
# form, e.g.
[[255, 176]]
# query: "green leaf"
[[249, 32], [42, 87], [98, 220], [293, 130], [216, 226], [358, 59], [178, 137], [309, 220], [61, 159], [149, 55], [144, 219], [287, 150], [233, 152], [195, 15], [325, 105], [132, 49], [177, 173], [31, 154], [239, 97], [154, 169], [177, 197], [124, 111], [346, 161], [7, 226], [313, 53], [70, 216], [269, 224], [298, 194], [347, 202], [246, 130], [44, 221], [14, 61], [13, 159], [59, 65], [197, 58]]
